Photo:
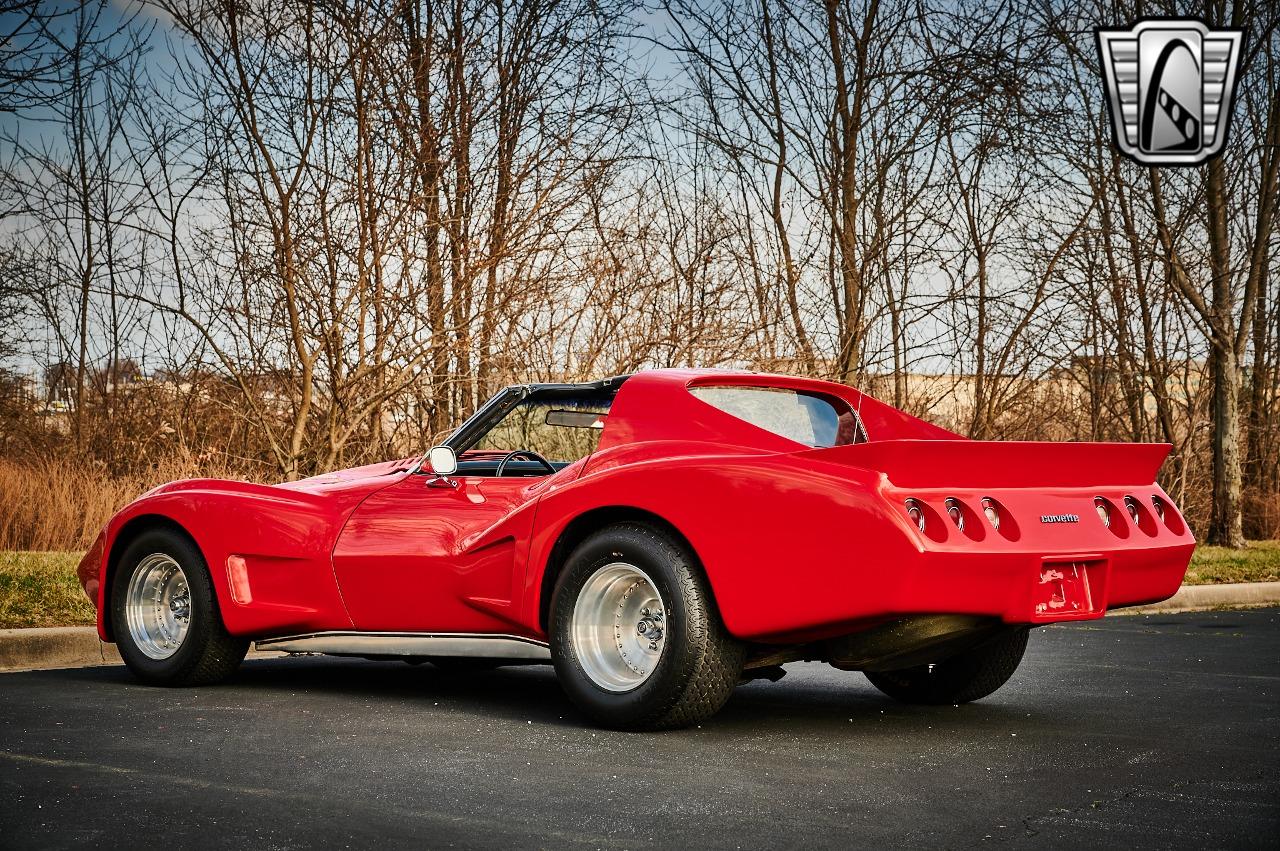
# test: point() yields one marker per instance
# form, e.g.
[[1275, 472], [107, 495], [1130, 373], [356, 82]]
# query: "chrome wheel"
[[158, 606], [619, 627]]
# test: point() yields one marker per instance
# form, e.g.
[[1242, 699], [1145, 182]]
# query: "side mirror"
[[442, 461]]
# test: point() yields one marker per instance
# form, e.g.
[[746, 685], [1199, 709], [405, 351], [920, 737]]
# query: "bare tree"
[[292, 236], [1236, 263]]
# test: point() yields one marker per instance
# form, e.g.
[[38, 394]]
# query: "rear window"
[[813, 419]]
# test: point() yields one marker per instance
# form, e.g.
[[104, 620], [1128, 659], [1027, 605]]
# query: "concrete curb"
[[65, 647], [1199, 598], [54, 647], [79, 646]]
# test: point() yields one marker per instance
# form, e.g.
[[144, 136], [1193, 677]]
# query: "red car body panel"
[[450, 555], [797, 543]]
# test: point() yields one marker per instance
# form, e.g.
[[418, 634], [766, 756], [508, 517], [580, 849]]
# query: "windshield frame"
[[493, 411]]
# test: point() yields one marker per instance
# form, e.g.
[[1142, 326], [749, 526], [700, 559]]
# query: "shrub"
[[1261, 515]]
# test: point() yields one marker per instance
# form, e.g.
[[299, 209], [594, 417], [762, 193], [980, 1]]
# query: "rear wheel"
[[165, 615], [635, 635], [967, 676]]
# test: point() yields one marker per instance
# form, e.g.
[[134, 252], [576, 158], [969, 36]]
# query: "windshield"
[[560, 430]]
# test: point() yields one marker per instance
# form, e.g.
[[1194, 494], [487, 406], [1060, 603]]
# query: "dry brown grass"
[[58, 505]]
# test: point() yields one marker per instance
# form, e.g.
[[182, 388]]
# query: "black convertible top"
[[479, 423]]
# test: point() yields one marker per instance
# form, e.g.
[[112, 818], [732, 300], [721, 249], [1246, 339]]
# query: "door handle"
[[442, 482]]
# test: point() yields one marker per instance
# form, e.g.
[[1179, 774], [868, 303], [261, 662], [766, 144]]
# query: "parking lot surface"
[[1150, 732]]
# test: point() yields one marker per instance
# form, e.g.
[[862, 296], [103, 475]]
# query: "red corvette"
[[659, 537]]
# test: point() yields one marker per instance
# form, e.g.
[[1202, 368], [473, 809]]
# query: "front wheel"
[[165, 616], [967, 676], [635, 635]]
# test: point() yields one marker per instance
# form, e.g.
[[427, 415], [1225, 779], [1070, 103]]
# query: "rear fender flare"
[[749, 520]]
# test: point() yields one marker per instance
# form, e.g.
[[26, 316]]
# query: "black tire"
[[700, 663], [965, 677], [208, 653]]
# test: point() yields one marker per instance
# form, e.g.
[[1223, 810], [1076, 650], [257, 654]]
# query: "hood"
[[343, 487], [363, 479]]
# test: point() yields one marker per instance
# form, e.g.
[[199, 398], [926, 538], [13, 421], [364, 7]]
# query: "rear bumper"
[[1018, 587], [1038, 588], [1050, 558]]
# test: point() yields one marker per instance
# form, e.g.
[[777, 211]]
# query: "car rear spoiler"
[[1003, 464]]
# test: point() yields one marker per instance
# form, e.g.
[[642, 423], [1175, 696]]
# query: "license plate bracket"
[[1066, 589]]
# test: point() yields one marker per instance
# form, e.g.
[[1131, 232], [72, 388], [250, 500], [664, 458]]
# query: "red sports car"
[[659, 538]]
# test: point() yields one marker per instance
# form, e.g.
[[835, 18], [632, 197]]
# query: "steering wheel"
[[524, 453]]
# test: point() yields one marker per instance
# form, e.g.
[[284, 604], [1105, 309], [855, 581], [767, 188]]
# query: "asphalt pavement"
[[1136, 732]]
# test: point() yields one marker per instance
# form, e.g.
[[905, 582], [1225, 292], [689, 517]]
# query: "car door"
[[423, 555]]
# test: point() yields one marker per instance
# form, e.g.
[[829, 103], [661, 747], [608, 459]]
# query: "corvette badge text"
[[1059, 518], [1169, 85]]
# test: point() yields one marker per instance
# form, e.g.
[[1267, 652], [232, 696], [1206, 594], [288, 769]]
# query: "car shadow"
[[843, 701]]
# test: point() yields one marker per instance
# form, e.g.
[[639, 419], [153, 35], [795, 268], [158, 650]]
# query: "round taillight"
[[991, 511], [916, 513], [1158, 504], [1104, 511], [1132, 505], [954, 512]]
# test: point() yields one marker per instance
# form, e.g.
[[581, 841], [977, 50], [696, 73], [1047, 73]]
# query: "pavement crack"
[[1093, 804]]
